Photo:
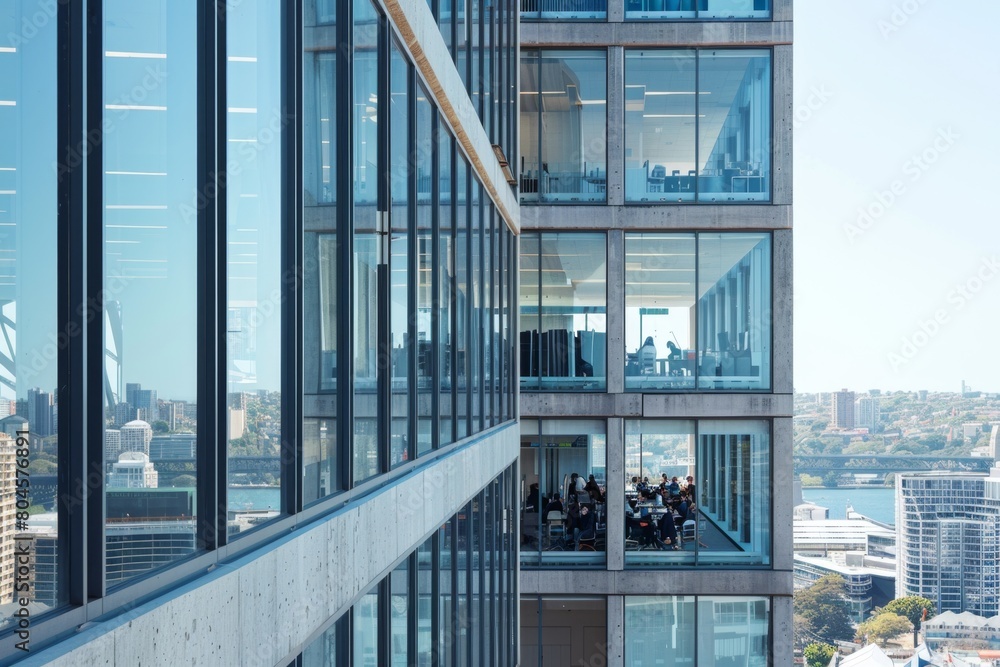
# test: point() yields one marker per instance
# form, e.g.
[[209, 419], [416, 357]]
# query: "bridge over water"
[[822, 464]]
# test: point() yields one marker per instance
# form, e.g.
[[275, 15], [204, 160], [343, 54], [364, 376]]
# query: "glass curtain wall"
[[697, 125], [697, 311], [150, 162], [321, 297], [563, 126], [703, 631], [697, 493], [29, 330], [253, 232], [401, 339], [563, 484], [697, 9], [563, 302], [561, 10]]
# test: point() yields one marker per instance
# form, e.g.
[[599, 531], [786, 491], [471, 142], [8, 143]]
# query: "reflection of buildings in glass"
[[146, 529], [8, 513], [113, 339], [242, 343], [136, 436], [40, 405], [132, 470]]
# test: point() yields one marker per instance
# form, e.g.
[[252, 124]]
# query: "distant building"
[[112, 445], [133, 471], [842, 412], [866, 587], [146, 529], [172, 446], [866, 413], [971, 430], [12, 424], [123, 414], [8, 516], [962, 631], [237, 423], [168, 413], [948, 529], [136, 436], [40, 411]]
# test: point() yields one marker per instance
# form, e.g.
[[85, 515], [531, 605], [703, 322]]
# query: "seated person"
[[668, 530], [555, 505], [647, 356], [584, 527], [674, 351]]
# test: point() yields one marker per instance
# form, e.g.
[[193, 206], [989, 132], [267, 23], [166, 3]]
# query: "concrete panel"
[[657, 33], [658, 582], [615, 489], [616, 312], [707, 405], [781, 10], [783, 473], [661, 217], [781, 138], [580, 405], [421, 36], [782, 313], [264, 604]]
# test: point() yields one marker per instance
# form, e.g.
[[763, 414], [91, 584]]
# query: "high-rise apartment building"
[[308, 204], [842, 410], [948, 539], [867, 412], [655, 332]]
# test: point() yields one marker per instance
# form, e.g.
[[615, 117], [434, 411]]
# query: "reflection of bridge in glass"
[[858, 463], [237, 465]]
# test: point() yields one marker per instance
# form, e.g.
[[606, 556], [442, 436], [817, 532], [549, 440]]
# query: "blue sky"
[[897, 284]]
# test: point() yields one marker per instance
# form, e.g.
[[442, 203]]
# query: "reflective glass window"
[[697, 9], [400, 274], [253, 267], [29, 333], [151, 268], [563, 631], [446, 281], [697, 493], [734, 630], [563, 306], [365, 630], [463, 304], [320, 293], [564, 505], [399, 617], [660, 288], [560, 10], [323, 651], [734, 311], [563, 126], [659, 631], [426, 340]]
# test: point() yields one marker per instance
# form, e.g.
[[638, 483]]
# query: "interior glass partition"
[[563, 304], [734, 311], [660, 295], [563, 510], [697, 9], [697, 493], [698, 125], [563, 126]]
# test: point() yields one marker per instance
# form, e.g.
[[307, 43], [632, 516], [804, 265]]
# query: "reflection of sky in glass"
[[27, 201], [150, 214]]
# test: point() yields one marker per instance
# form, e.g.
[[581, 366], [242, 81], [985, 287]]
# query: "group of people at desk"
[[655, 515], [730, 360], [578, 515]]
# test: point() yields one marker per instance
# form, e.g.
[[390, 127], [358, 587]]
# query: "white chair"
[[689, 529], [554, 524]]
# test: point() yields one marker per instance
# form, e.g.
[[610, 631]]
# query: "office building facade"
[[655, 332], [309, 205], [842, 410], [948, 540]]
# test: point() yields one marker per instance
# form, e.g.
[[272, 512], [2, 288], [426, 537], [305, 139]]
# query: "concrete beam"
[[656, 34], [658, 217], [665, 582], [669, 406]]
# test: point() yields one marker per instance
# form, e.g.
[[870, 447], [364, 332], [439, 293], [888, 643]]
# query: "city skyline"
[[894, 140]]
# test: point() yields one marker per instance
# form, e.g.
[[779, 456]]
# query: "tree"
[[882, 627], [161, 427], [818, 655], [831, 480], [182, 481], [912, 608], [825, 611]]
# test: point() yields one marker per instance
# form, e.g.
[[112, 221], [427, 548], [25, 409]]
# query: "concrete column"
[[781, 10], [616, 631], [781, 623], [616, 126], [781, 503], [781, 137], [615, 495], [781, 313], [616, 311], [616, 11]]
